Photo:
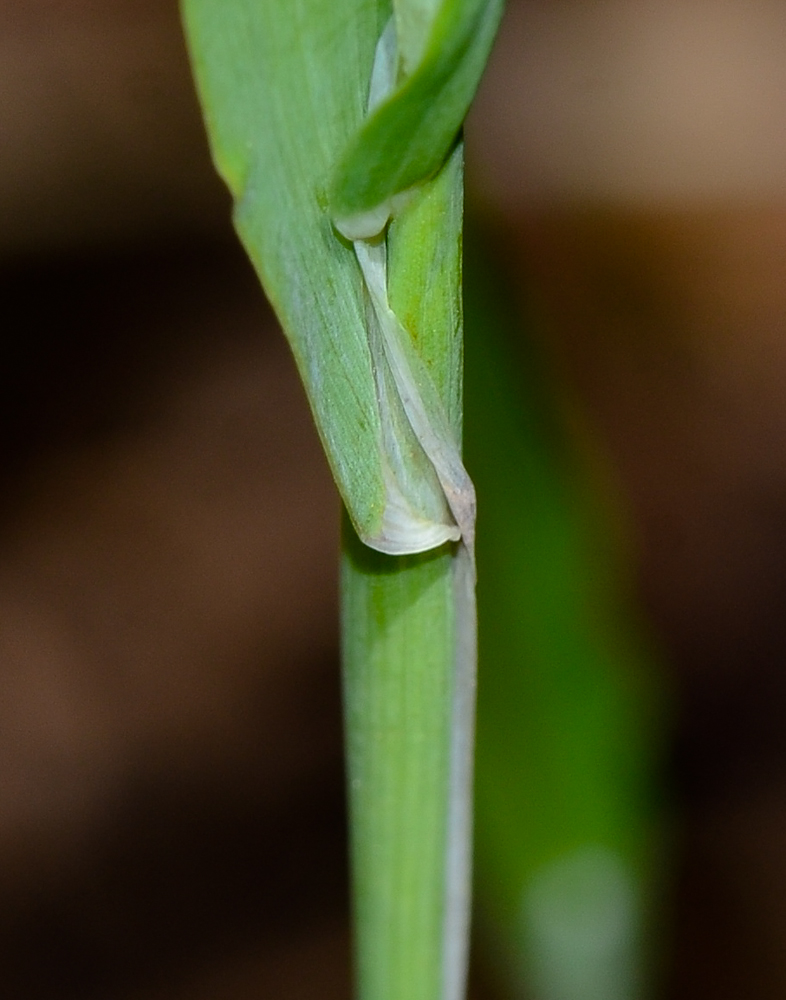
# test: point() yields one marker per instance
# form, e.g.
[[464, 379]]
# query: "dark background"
[[171, 801]]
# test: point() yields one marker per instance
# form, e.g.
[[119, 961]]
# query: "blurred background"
[[171, 789]]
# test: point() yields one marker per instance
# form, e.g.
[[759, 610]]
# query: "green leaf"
[[406, 139], [283, 87]]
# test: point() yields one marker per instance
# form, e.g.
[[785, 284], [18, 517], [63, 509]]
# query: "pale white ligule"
[[370, 224], [403, 531], [367, 225], [416, 516], [426, 417]]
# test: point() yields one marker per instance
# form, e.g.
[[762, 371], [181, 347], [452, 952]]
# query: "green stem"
[[398, 623], [408, 625]]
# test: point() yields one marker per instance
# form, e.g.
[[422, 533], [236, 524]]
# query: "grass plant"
[[336, 126]]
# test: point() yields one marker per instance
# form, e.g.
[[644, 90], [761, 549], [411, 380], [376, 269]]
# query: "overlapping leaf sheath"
[[376, 333]]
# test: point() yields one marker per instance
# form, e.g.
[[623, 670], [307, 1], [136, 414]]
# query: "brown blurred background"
[[171, 805], [171, 790], [632, 155]]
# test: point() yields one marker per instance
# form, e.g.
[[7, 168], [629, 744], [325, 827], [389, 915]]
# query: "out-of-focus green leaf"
[[570, 706]]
